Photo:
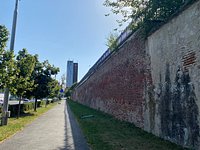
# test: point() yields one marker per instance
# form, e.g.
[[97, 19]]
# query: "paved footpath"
[[55, 130]]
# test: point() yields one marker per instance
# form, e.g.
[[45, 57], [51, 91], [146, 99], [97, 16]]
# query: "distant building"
[[75, 72], [72, 73], [70, 68]]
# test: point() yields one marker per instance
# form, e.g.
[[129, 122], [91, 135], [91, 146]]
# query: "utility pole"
[[12, 42]]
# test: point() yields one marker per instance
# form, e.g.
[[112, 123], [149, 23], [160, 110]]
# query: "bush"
[[13, 110], [24, 107], [46, 102], [43, 102], [38, 103], [27, 106], [55, 99]]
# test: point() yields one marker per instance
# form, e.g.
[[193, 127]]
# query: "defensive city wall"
[[152, 81]]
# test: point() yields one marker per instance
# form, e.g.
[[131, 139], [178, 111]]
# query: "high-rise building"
[[72, 73], [75, 72], [70, 68]]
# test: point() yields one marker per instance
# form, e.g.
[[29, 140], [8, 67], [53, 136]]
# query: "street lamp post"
[[12, 42]]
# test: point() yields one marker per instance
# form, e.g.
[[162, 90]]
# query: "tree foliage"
[[63, 81], [140, 11], [42, 76], [25, 75], [3, 38], [25, 67], [25, 64], [68, 92], [7, 62], [54, 88]]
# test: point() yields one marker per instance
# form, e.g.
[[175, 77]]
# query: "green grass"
[[15, 125], [104, 132]]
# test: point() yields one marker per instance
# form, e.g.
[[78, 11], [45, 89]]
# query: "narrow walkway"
[[51, 131]]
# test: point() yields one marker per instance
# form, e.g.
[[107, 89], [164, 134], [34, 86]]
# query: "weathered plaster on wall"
[[174, 52]]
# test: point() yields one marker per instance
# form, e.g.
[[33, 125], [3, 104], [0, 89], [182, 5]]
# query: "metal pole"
[[12, 42]]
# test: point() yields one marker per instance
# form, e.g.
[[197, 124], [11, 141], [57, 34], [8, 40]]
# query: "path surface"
[[55, 130]]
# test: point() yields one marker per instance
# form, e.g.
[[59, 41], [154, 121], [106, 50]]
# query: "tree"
[[54, 88], [23, 83], [68, 92], [7, 62], [42, 77], [25, 76], [50, 69], [63, 81], [7, 68], [141, 11]]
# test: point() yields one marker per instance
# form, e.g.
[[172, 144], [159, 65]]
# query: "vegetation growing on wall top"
[[142, 12]]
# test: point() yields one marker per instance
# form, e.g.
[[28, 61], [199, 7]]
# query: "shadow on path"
[[56, 129], [74, 138]]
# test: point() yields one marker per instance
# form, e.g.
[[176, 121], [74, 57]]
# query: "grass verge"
[[15, 125], [104, 132]]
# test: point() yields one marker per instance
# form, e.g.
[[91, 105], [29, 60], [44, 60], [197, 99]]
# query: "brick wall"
[[154, 82], [117, 87]]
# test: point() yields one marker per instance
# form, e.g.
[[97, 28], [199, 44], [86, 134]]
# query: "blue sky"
[[61, 30]]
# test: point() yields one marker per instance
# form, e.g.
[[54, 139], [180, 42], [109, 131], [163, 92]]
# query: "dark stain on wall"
[[152, 108], [178, 123], [178, 109], [165, 108]]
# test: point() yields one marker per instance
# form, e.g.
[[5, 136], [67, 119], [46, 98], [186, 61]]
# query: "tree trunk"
[[19, 106], [35, 108], [5, 108], [46, 104]]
